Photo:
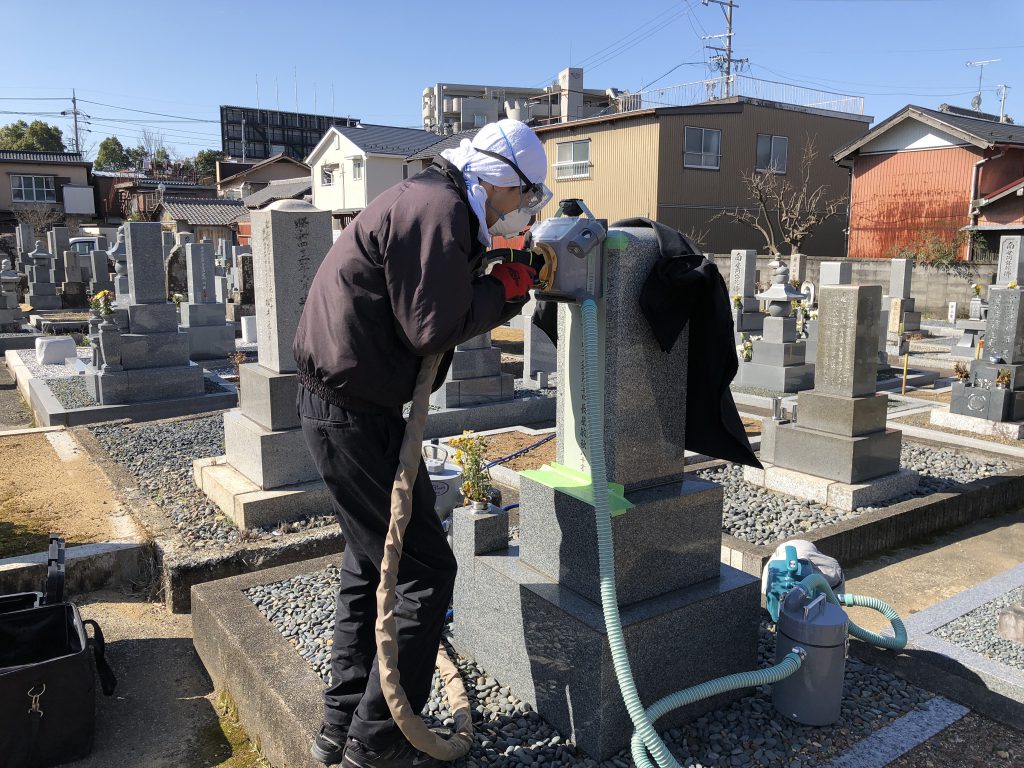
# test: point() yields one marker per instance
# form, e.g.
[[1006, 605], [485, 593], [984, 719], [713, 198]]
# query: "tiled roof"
[[41, 157], [281, 189], [212, 212], [386, 139], [987, 130], [280, 157], [447, 142]]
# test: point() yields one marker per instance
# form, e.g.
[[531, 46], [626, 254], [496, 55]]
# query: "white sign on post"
[[951, 313]]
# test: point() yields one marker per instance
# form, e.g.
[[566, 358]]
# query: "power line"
[[147, 112]]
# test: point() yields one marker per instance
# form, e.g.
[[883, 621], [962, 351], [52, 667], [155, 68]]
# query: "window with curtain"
[[33, 189], [572, 160]]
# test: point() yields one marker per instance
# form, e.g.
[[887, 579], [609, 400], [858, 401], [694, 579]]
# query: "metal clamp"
[[817, 602], [35, 708]]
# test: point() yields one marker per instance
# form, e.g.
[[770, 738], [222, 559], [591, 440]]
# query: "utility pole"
[[74, 111], [244, 142], [724, 59], [1001, 90]]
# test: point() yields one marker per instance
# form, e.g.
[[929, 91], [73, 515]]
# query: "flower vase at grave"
[[110, 344]]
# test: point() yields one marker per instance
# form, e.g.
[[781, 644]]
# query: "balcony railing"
[[715, 88], [580, 170]]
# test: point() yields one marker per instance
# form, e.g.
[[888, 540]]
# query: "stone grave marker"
[[73, 287], [1011, 260], [203, 319], [42, 293], [951, 313]]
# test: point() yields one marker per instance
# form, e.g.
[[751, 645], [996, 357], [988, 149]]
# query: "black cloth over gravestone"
[[685, 287]]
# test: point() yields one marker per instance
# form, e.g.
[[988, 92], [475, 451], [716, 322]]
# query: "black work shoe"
[[329, 745], [401, 754]]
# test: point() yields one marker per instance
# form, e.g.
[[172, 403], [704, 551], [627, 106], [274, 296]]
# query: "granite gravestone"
[[242, 298], [210, 337], [1011, 260], [73, 288], [835, 273], [951, 313], [118, 254], [475, 376], [42, 293], [897, 317], [987, 394], [266, 475], [743, 283], [841, 436], [150, 360], [10, 312], [25, 241], [539, 354], [59, 239], [779, 359], [100, 268], [530, 614]]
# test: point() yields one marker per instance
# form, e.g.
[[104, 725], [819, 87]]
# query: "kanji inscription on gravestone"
[[1011, 260]]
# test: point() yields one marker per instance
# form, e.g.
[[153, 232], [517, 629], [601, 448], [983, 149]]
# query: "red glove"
[[517, 279]]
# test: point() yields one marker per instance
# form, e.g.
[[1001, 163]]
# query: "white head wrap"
[[506, 137]]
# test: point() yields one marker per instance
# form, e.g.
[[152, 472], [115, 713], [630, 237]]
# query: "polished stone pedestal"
[[779, 360], [548, 643], [977, 425]]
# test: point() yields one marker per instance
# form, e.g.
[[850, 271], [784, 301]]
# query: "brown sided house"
[[55, 180], [208, 219], [683, 166], [935, 174]]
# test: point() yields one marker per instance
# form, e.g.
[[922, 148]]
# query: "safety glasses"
[[535, 196]]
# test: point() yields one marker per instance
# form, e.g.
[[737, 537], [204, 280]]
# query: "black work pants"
[[356, 453]]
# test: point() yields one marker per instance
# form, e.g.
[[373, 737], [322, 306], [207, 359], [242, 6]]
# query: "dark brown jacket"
[[400, 282]]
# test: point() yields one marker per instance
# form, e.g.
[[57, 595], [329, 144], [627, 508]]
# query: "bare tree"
[[40, 215], [786, 213]]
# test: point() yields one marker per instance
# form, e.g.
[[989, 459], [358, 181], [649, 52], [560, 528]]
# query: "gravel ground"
[[746, 733], [760, 516], [978, 631], [28, 356], [70, 391], [159, 455]]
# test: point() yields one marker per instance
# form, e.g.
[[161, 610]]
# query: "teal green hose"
[[645, 738], [816, 584]]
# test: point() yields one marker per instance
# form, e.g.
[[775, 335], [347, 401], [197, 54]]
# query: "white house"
[[353, 164]]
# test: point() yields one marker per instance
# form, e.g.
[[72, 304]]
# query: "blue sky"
[[185, 58]]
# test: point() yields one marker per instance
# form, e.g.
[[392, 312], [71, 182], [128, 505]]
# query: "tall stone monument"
[[840, 452], [530, 612], [897, 316], [210, 337], [743, 283], [779, 360], [241, 298], [1011, 261], [118, 254], [58, 240], [150, 360], [100, 268], [25, 241], [73, 288], [829, 273], [992, 399], [10, 312], [266, 475], [42, 293]]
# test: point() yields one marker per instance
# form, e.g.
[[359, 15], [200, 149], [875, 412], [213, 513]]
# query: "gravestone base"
[[45, 301], [209, 342], [830, 493], [811, 341], [841, 458], [531, 633], [235, 312], [993, 404], [141, 384], [478, 391], [967, 345], [250, 506], [270, 458], [1009, 430], [790, 378], [73, 295], [751, 322]]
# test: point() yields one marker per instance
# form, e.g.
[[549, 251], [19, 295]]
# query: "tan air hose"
[[409, 722]]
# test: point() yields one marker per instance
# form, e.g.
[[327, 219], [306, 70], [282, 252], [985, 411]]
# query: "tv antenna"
[[976, 101]]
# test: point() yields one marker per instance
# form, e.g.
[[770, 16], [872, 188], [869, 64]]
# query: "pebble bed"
[[71, 391], [978, 631], [39, 371], [159, 456], [508, 733], [760, 516]]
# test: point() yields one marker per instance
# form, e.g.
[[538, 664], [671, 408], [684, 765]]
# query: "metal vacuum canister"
[[445, 476], [814, 694]]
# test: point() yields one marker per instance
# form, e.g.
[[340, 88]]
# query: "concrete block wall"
[[931, 288]]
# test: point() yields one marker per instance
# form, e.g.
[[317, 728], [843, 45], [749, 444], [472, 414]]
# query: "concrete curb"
[[88, 567], [179, 566], [24, 341], [885, 529], [481, 418], [988, 686], [958, 441], [278, 695]]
